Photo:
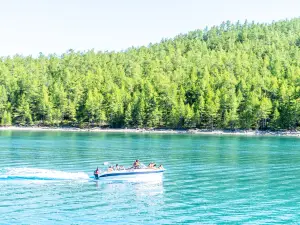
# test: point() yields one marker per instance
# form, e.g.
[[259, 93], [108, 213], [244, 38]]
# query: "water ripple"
[[45, 179]]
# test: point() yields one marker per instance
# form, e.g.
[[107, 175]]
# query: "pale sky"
[[54, 26]]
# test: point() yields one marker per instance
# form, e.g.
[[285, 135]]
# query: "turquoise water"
[[45, 179]]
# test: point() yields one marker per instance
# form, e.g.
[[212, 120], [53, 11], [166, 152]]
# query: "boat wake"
[[40, 174], [43, 175]]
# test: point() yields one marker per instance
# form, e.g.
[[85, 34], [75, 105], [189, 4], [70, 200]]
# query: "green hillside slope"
[[230, 76]]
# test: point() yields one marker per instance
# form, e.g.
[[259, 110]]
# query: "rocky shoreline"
[[163, 131]]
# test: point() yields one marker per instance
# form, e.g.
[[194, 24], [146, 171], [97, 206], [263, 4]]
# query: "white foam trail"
[[35, 173]]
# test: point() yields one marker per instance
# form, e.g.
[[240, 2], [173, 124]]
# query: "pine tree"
[[23, 112], [6, 119], [45, 106], [275, 122], [264, 111], [128, 116]]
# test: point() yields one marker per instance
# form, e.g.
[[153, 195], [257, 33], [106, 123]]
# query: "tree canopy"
[[229, 76]]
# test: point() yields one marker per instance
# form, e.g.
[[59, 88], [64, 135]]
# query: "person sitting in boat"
[[110, 169], [117, 167], [160, 167], [151, 165], [136, 164], [121, 168]]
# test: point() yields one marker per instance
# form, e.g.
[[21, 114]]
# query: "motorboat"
[[126, 172]]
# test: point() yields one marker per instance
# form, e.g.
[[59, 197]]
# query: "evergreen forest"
[[232, 76]]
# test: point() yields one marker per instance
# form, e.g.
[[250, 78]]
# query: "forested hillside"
[[231, 76]]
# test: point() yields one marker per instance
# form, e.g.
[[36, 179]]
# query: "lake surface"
[[45, 178]]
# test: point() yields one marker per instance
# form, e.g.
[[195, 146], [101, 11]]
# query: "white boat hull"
[[130, 172]]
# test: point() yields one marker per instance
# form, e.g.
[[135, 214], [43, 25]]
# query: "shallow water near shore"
[[46, 178]]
